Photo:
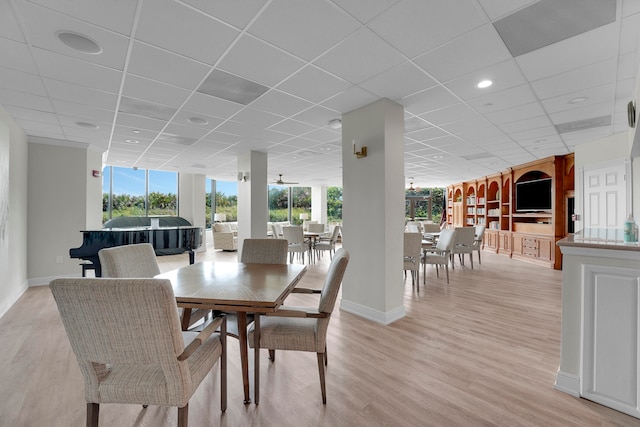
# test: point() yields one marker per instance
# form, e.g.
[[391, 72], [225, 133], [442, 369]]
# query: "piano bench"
[[86, 265]]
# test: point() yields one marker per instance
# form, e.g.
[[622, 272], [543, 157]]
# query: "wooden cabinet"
[[511, 230]]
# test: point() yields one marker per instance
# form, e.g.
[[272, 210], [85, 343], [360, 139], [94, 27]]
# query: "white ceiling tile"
[[504, 76], [450, 114], [398, 82], [307, 19], [416, 26], [595, 95], [595, 74], [499, 8], [19, 99], [156, 64], [501, 100], [431, 99], [16, 56], [236, 13], [470, 52], [210, 105], [513, 114], [364, 10], [571, 53], [259, 62], [22, 82], [526, 124], [324, 84], [349, 100], [281, 103], [190, 32], [44, 24], [579, 113], [374, 56], [81, 94]]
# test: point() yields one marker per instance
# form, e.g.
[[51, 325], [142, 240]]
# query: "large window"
[[334, 204], [419, 201], [281, 210], [138, 192], [225, 194]]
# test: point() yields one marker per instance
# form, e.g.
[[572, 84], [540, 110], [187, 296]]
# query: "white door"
[[604, 196]]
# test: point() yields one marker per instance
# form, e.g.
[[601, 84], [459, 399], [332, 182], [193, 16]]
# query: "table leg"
[[244, 358], [256, 358], [186, 318]]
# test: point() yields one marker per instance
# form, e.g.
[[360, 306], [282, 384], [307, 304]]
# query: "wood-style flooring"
[[480, 351]]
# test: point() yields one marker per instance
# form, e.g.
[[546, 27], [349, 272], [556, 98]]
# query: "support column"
[[373, 211], [319, 203], [192, 202], [253, 212]]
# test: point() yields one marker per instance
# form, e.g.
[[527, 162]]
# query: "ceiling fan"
[[279, 181]]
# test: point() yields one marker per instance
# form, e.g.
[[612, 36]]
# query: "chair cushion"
[[286, 333]]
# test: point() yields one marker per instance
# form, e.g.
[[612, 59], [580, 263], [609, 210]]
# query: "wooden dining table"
[[234, 287]]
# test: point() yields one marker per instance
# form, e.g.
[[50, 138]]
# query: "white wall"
[[59, 182], [13, 252]]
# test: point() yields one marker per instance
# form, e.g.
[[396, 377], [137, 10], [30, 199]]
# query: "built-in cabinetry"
[[518, 230], [599, 353]]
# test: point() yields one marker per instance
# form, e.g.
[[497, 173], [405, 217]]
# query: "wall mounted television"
[[533, 196]]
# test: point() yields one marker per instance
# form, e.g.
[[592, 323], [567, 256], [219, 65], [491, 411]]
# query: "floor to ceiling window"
[[225, 194], [138, 192]]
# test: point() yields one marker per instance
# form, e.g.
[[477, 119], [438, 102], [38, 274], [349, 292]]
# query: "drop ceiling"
[[188, 85]]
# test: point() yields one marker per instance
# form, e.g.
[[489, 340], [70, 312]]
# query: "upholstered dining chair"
[[439, 255], [328, 244], [412, 249], [137, 261], [316, 228], [463, 244], [126, 337], [295, 236], [300, 328], [264, 251], [477, 242], [274, 231]]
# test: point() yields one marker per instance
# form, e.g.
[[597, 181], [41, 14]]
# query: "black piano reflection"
[[165, 241]]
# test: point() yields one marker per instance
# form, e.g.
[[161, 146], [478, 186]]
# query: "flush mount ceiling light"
[[87, 125], [578, 100], [131, 141], [79, 42], [483, 84], [335, 124], [197, 121]]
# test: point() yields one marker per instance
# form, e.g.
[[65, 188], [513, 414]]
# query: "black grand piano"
[[165, 241]]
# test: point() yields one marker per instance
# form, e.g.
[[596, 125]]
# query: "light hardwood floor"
[[481, 351]]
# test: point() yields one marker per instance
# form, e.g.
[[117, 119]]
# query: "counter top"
[[599, 238]]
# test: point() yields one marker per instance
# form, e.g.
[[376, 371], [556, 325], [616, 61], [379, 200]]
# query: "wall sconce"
[[219, 217], [359, 154], [242, 176]]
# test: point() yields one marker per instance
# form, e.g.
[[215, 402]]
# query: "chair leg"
[[272, 355], [183, 416], [471, 259], [223, 367], [93, 413], [256, 358], [321, 371], [326, 356], [447, 268]]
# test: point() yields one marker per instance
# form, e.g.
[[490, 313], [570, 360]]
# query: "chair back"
[[446, 239], [137, 260], [264, 251], [274, 231], [293, 234], [332, 282], [430, 227], [316, 228], [335, 234], [464, 238], [412, 247], [116, 324], [479, 233], [413, 227]]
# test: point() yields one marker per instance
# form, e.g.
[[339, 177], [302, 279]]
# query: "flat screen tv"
[[533, 196]]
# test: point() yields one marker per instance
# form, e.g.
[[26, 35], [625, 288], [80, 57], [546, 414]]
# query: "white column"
[[193, 198], [319, 204], [373, 211], [253, 207]]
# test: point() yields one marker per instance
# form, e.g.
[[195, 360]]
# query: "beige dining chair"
[[274, 231], [463, 244], [264, 251], [294, 235], [139, 261], [439, 255], [316, 228], [412, 249], [125, 334], [328, 245], [300, 328], [477, 241]]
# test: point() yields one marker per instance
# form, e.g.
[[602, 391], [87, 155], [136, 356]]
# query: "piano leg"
[[192, 257]]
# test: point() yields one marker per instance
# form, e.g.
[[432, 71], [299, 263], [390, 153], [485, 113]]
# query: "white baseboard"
[[44, 281], [377, 316], [11, 299], [567, 383]]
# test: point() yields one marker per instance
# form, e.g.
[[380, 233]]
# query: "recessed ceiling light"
[[79, 42], [136, 131], [483, 84], [540, 141], [578, 100], [438, 156], [335, 124], [197, 121], [87, 125], [131, 141]]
